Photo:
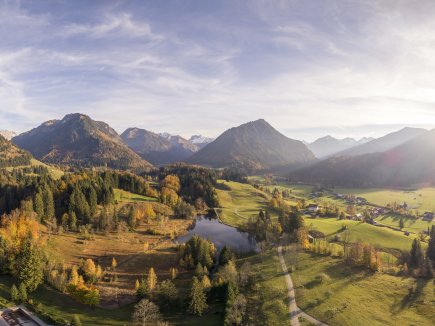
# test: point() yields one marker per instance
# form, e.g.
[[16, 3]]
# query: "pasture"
[[351, 296], [122, 196], [239, 202]]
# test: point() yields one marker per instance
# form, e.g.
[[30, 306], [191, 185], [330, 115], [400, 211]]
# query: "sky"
[[310, 68]]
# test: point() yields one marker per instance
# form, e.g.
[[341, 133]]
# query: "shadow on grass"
[[414, 294]]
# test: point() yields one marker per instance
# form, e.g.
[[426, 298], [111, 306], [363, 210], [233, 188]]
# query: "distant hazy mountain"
[[200, 140], [7, 134], [328, 145], [254, 146], [408, 164], [384, 143], [158, 148], [11, 156], [77, 140]]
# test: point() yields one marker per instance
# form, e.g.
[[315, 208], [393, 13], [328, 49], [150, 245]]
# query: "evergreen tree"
[[199, 271], [15, 297], [416, 255], [38, 204], [30, 266], [48, 204], [431, 245], [198, 299], [401, 223], [167, 293], [73, 221], [93, 201], [225, 256], [428, 271], [23, 292]]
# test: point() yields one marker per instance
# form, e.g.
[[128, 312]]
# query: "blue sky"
[[310, 68]]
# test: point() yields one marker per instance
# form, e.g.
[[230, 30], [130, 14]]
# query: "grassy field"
[[420, 199], [239, 202], [271, 296], [411, 224], [122, 196], [378, 236], [353, 297]]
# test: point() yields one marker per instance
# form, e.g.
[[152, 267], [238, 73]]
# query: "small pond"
[[221, 235]]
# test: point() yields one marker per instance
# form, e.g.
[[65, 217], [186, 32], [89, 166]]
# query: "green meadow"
[[122, 196], [420, 199], [239, 202], [351, 296]]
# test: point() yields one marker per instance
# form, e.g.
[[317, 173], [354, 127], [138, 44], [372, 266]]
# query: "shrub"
[[322, 278]]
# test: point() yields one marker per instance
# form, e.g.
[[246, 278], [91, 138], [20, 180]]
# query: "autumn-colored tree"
[[171, 182], [173, 272], [151, 279], [206, 284], [74, 276]]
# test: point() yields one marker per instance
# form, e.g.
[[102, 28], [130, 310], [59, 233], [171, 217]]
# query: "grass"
[[271, 299], [122, 196], [132, 263], [239, 202], [419, 199], [411, 224], [61, 307], [357, 297], [378, 236]]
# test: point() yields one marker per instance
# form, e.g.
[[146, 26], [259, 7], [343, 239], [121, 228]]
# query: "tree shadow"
[[414, 294]]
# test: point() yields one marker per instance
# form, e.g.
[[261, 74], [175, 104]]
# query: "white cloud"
[[119, 25], [346, 66]]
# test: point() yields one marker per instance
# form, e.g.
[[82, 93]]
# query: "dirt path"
[[294, 311]]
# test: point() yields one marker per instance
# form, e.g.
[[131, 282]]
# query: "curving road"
[[294, 311]]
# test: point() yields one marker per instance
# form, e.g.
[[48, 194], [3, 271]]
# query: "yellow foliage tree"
[[152, 279]]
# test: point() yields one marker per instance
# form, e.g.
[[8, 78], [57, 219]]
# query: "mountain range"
[[399, 159], [384, 143], [255, 146], [409, 163], [77, 140], [328, 145], [158, 149]]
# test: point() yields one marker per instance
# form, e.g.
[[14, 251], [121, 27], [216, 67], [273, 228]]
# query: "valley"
[[201, 243], [217, 163]]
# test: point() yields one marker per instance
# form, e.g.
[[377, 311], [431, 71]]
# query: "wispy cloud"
[[202, 67]]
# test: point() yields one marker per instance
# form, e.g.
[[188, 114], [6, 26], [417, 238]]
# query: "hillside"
[[403, 166], [79, 141], [328, 145], [12, 156], [158, 149], [255, 146], [384, 143]]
